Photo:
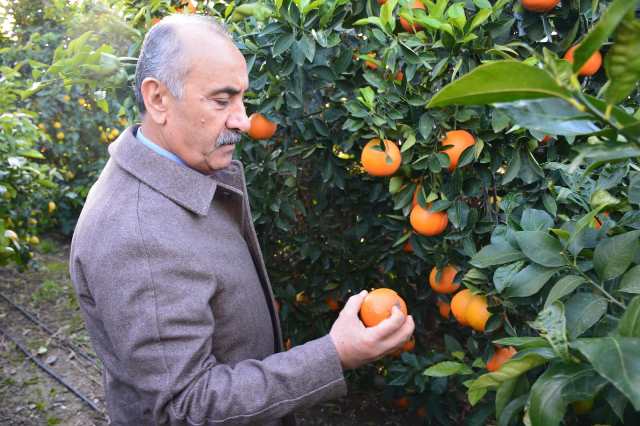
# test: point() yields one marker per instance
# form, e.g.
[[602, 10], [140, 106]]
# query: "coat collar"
[[185, 186]]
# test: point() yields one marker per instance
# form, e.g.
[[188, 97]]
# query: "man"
[[167, 266]]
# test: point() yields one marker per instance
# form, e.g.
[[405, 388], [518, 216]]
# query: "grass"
[[48, 291]]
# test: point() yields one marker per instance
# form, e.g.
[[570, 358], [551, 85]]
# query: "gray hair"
[[163, 57]]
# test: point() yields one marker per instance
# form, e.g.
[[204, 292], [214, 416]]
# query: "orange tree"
[[515, 171]]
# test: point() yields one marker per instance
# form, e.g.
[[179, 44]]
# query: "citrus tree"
[[448, 151]]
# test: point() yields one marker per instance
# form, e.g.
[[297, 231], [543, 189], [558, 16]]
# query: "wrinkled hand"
[[357, 344]]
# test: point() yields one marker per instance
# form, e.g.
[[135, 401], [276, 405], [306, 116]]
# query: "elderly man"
[[167, 266]]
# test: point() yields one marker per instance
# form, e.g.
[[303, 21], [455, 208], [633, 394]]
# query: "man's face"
[[204, 125]]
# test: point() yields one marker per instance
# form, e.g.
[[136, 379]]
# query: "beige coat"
[[176, 298]]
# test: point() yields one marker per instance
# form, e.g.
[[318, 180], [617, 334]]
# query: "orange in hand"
[[376, 307], [377, 162]]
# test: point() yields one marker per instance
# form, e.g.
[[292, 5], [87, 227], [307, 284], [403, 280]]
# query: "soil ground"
[[29, 396]]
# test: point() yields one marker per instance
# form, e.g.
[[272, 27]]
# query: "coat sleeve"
[[160, 346]]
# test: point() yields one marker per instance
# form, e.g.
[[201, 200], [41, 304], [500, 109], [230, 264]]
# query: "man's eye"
[[222, 102]]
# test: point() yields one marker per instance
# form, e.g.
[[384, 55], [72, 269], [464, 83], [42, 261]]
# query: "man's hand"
[[357, 344]]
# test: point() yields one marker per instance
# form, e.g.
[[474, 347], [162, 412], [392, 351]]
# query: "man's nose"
[[239, 120]]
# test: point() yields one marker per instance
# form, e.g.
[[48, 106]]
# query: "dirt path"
[[29, 396]]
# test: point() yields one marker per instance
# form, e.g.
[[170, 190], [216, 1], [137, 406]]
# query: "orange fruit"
[[421, 412], [427, 222], [444, 308], [597, 223], [460, 140], [539, 6], [446, 284], [381, 2], [546, 139], [476, 313], [399, 76], [417, 4], [376, 307], [590, 67], [261, 126], [401, 403], [501, 356], [332, 303], [459, 305], [380, 163], [407, 248], [370, 64], [408, 346]]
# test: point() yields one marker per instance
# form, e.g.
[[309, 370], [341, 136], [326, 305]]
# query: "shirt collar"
[[183, 185], [157, 148]]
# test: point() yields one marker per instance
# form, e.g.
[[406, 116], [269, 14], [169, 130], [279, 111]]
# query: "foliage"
[[547, 229]]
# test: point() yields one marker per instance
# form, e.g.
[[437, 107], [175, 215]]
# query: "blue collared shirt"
[[157, 148]]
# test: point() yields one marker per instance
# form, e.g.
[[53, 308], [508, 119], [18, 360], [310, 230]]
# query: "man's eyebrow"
[[228, 90]]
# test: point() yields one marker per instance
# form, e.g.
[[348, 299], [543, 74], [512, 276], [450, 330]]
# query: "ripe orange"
[[370, 64], [459, 305], [477, 314], [417, 4], [408, 346], [590, 67], [399, 76], [444, 308], [539, 5], [332, 303], [501, 356], [546, 139], [427, 222], [407, 248], [460, 140], [376, 307], [446, 284], [401, 403], [597, 223], [381, 2], [380, 163], [261, 126]]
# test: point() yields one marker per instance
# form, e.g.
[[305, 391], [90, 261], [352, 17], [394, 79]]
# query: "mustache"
[[228, 138]]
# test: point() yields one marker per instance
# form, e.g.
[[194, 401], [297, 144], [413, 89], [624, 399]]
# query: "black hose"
[[52, 373]]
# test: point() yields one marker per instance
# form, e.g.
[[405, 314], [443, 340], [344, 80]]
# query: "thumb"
[[352, 307]]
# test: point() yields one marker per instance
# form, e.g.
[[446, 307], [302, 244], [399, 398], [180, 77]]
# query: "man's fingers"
[[390, 325], [352, 307]]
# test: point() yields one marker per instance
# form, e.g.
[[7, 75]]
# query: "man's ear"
[[156, 97]]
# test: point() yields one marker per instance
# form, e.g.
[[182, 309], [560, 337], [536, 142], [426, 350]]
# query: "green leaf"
[[583, 311], [32, 153], [566, 285], [395, 184], [496, 254], [456, 16], [503, 276], [308, 47], [386, 15], [622, 62], [504, 394], [515, 367], [541, 248], [283, 43], [561, 384], [479, 18], [613, 256], [536, 220], [447, 368], [522, 342], [529, 281], [370, 20], [616, 359], [629, 325], [515, 406], [630, 282], [551, 116], [503, 81], [425, 125], [600, 33], [634, 188], [551, 325]]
